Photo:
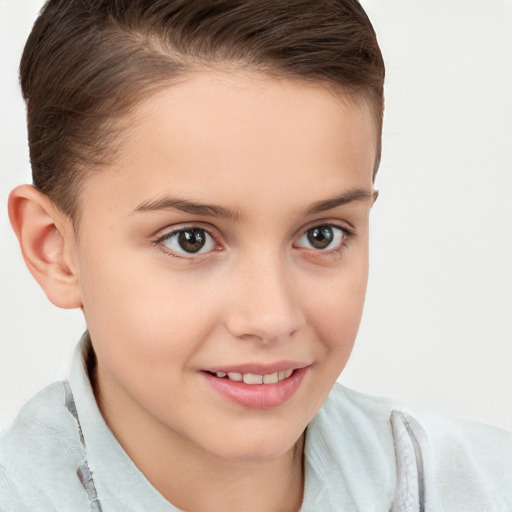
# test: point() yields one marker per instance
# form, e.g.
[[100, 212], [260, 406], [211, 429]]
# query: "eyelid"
[[181, 226]]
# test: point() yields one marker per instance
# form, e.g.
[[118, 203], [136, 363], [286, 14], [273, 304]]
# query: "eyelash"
[[347, 235]]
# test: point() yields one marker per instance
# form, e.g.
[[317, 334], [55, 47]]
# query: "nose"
[[265, 304]]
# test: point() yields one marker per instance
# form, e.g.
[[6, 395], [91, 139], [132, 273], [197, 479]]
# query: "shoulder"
[[39, 454], [42, 426], [471, 463]]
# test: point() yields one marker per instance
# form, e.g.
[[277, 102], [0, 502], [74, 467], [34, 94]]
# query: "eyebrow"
[[350, 196], [184, 205]]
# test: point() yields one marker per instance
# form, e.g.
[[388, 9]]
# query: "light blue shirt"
[[362, 453]]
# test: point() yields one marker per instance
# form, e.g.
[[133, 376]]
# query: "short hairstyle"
[[87, 63]]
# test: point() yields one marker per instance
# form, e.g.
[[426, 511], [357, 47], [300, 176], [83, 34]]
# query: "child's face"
[[270, 183]]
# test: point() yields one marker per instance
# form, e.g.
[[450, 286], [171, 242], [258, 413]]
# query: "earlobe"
[[45, 236]]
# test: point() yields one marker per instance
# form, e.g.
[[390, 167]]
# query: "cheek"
[[337, 307], [141, 319]]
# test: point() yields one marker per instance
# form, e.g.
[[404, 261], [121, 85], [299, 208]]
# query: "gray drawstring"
[[84, 473], [415, 491]]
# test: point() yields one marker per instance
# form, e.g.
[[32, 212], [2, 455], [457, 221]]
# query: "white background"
[[438, 322]]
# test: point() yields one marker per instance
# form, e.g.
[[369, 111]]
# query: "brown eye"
[[192, 240], [322, 237], [189, 241]]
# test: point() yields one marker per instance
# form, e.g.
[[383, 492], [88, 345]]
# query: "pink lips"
[[256, 396]]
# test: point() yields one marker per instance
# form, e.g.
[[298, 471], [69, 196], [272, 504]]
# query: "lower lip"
[[257, 396]]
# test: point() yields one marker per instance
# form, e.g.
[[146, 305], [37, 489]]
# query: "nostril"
[[262, 333]]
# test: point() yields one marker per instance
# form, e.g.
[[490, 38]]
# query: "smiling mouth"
[[257, 390], [253, 378]]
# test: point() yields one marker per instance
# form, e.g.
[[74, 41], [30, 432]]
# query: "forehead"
[[242, 136]]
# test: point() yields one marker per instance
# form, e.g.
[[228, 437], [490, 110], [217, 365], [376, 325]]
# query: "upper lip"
[[258, 368]]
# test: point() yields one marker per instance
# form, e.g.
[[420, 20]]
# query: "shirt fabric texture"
[[362, 453]]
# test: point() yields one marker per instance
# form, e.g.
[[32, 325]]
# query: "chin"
[[268, 444]]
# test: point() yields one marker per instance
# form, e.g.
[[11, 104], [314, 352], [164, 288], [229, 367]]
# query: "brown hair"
[[87, 62]]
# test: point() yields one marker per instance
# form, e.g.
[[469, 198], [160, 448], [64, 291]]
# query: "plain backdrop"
[[437, 328]]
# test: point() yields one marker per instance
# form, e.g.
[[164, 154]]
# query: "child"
[[203, 177]]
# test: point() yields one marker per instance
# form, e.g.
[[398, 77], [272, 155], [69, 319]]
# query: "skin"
[[267, 151]]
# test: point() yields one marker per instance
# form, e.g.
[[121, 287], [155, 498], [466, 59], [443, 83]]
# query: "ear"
[[47, 242]]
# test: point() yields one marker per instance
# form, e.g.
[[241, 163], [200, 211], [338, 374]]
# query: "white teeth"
[[271, 378], [253, 378]]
